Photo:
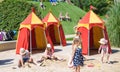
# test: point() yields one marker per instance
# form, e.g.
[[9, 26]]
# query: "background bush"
[[101, 5], [113, 24], [13, 12]]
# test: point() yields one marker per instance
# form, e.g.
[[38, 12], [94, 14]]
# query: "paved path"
[[70, 36]]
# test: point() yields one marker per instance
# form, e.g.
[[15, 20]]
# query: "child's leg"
[[22, 62], [102, 56], [75, 69], [31, 61], [78, 68], [54, 58], [19, 63], [108, 55]]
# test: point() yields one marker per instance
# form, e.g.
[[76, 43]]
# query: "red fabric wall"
[[84, 37], [33, 38], [106, 37], [62, 35], [23, 39], [51, 32], [49, 40]]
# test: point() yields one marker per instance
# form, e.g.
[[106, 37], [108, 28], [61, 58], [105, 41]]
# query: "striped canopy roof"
[[31, 19], [90, 20], [50, 18]]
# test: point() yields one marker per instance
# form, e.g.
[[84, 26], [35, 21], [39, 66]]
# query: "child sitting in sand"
[[76, 59], [49, 55], [103, 49], [24, 58]]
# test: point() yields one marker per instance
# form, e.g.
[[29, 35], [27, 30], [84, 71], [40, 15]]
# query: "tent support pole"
[[45, 37], [59, 36], [88, 42], [103, 33], [30, 42]]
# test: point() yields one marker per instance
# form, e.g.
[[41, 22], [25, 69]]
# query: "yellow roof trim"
[[25, 26], [83, 25]]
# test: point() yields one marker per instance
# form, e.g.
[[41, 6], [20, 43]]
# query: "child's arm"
[[45, 53], [99, 49], [73, 52]]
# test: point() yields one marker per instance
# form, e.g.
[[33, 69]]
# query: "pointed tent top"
[[91, 17], [32, 19], [50, 18], [33, 9]]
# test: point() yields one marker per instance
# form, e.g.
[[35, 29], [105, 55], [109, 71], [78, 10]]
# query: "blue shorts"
[[25, 60]]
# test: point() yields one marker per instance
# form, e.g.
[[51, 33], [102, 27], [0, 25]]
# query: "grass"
[[69, 39], [74, 12], [1, 0]]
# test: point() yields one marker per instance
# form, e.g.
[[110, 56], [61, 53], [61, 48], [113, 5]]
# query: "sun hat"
[[22, 51], [48, 46], [103, 41]]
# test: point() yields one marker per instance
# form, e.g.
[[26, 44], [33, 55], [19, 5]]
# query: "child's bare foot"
[[29, 66]]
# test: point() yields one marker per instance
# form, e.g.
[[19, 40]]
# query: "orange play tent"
[[32, 34], [92, 28], [55, 30]]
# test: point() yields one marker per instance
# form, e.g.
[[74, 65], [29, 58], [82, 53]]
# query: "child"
[[76, 57], [24, 58], [67, 16], [42, 5], [48, 55], [78, 36], [104, 49]]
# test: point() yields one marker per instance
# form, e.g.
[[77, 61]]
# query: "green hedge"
[[13, 12], [113, 25]]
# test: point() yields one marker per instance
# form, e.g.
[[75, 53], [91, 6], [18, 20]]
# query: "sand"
[[8, 61]]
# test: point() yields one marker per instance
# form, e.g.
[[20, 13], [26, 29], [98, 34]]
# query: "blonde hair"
[[76, 41]]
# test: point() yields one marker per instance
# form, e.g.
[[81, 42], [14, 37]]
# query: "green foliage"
[[113, 24], [101, 5], [69, 39], [76, 2], [13, 12]]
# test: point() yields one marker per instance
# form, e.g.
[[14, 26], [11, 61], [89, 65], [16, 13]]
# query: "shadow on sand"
[[115, 51], [113, 62], [5, 62], [42, 51], [57, 50], [69, 44], [38, 51]]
